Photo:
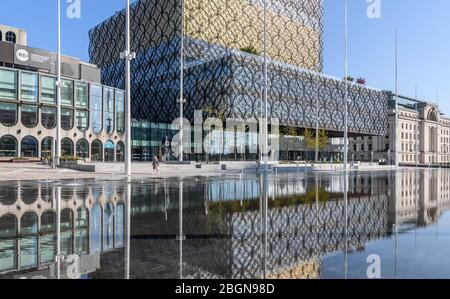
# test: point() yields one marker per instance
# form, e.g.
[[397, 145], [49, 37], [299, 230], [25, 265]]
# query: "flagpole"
[[396, 101], [265, 121], [346, 91], [181, 100], [128, 56], [57, 154]]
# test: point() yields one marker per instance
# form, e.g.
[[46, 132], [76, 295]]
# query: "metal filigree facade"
[[223, 52]]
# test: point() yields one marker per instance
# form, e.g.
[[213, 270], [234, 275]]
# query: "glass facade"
[[48, 89], [82, 118], [108, 106], [28, 100], [29, 87], [120, 111], [48, 117], [8, 84], [82, 95], [29, 115], [8, 114], [67, 92], [96, 108], [66, 119]]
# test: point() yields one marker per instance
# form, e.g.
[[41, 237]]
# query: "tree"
[[310, 139]]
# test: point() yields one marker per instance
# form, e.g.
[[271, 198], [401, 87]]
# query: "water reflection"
[[268, 226]]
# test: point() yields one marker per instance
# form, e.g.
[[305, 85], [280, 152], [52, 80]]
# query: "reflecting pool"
[[300, 226]]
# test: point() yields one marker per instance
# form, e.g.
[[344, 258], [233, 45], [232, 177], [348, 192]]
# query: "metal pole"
[[128, 229], [346, 90], [181, 237], [416, 132], [58, 233], [181, 100], [128, 56], [396, 102], [317, 129], [265, 121], [57, 154]]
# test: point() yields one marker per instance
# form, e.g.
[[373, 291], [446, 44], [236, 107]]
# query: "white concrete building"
[[423, 136]]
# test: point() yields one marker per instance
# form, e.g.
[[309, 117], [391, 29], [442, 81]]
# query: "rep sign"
[[32, 57]]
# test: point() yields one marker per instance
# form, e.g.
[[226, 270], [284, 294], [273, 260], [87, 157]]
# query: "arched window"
[[47, 237], [96, 151], [9, 195], [29, 116], [8, 147], [48, 117], [29, 193], [82, 149], [10, 37], [8, 114], [8, 235], [82, 231], [109, 151], [46, 147], [108, 226], [108, 107], [29, 147], [96, 229], [120, 152], [432, 115], [96, 109], [29, 240], [66, 147], [66, 119], [67, 231]]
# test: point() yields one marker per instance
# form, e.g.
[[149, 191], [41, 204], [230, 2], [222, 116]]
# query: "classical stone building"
[[92, 115], [423, 134]]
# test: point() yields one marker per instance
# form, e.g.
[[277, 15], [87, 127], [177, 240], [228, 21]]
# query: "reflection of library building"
[[92, 115]]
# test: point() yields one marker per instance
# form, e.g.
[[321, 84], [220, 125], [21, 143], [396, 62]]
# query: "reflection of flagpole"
[[128, 229], [58, 233], [346, 224], [181, 237]]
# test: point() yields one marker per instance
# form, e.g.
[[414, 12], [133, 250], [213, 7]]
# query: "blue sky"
[[423, 26]]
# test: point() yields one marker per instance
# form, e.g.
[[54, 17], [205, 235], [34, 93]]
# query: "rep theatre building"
[[92, 115]]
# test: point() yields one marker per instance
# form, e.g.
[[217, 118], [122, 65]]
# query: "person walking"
[[155, 165]]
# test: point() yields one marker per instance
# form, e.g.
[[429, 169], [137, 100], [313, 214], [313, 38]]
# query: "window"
[[8, 84], [29, 147], [66, 147], [120, 111], [29, 88], [96, 151], [67, 92], [109, 151], [82, 149], [82, 95], [120, 152], [10, 37], [362, 147], [48, 117], [29, 117], [46, 147], [96, 108], [108, 106], [67, 119], [82, 120], [370, 147], [48, 89], [8, 114], [1, 39], [8, 147]]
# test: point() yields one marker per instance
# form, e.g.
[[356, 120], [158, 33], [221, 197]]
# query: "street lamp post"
[[128, 56], [265, 121], [397, 147]]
